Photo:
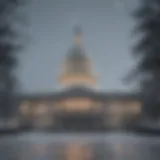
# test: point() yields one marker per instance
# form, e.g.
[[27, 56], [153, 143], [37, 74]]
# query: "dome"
[[77, 54], [77, 68], [77, 61]]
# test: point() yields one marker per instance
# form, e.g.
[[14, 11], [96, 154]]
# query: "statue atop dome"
[[77, 30]]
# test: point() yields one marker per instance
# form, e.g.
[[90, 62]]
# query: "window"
[[41, 109], [24, 107]]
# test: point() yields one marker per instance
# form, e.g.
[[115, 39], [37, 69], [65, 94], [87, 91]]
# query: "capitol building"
[[78, 105]]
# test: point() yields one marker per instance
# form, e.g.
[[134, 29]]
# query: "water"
[[49, 146]]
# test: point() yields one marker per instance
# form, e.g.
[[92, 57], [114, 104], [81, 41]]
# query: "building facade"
[[79, 105]]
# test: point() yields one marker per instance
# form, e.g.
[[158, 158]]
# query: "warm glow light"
[[79, 79], [41, 109], [24, 107], [77, 104]]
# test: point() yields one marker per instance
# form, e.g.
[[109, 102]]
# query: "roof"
[[82, 92], [78, 92]]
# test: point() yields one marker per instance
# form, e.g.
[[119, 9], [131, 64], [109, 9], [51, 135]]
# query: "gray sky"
[[107, 40]]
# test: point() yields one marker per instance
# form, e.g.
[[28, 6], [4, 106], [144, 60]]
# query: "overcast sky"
[[107, 40]]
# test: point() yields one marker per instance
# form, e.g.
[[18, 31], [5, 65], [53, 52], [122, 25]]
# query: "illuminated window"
[[41, 109], [136, 107], [24, 107]]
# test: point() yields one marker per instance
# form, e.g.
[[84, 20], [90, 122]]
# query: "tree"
[[8, 48], [148, 52]]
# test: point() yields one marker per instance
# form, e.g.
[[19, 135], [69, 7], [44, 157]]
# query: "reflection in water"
[[112, 148], [76, 151]]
